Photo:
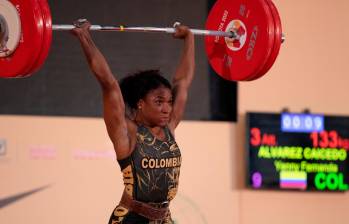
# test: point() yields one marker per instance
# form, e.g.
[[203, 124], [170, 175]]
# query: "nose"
[[167, 108]]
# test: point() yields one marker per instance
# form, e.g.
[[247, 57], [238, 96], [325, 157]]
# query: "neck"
[[153, 128], [140, 120]]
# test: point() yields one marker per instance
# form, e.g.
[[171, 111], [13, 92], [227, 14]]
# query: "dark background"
[[64, 85]]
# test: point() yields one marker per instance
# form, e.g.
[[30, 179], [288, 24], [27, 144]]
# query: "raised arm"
[[113, 104], [183, 76]]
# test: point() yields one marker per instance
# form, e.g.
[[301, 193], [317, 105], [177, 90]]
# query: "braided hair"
[[136, 86]]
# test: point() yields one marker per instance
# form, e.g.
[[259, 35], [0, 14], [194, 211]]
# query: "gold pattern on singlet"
[[119, 214], [172, 193], [146, 138], [167, 158], [173, 188], [128, 180], [173, 147]]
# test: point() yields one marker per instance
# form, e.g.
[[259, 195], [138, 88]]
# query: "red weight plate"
[[11, 28], [239, 59], [278, 39], [18, 63], [47, 38], [271, 31], [39, 50]]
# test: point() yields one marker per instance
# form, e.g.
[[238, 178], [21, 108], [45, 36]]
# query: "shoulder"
[[171, 129]]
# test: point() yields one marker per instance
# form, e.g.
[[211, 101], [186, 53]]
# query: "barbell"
[[242, 37]]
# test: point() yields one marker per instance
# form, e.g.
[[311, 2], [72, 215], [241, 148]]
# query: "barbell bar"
[[169, 30], [200, 32], [242, 37]]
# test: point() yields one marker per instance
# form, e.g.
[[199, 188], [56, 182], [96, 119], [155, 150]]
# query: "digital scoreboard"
[[290, 151]]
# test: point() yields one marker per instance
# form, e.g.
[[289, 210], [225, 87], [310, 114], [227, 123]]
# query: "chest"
[[149, 146], [152, 153]]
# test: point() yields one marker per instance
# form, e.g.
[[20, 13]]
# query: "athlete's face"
[[156, 107]]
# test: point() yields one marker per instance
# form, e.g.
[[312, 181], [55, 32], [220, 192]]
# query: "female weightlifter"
[[141, 114]]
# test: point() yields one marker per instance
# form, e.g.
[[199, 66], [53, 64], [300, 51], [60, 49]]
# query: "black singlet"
[[150, 174]]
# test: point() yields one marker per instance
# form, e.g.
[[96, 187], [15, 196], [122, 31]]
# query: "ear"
[[140, 104]]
